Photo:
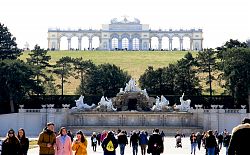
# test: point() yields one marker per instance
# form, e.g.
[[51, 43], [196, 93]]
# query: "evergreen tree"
[[63, 69], [105, 79], [16, 80], [40, 61], [8, 46], [206, 63]]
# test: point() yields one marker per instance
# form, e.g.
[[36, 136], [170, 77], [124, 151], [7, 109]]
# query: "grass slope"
[[134, 62]]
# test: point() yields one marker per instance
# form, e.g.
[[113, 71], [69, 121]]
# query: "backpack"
[[110, 146], [94, 140]]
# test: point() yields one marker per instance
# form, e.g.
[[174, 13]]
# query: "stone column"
[[58, 44], [119, 43], [140, 44], [191, 44], [69, 43], [49, 44], [170, 44], [159, 44], [110, 44], [181, 44], [79, 43], [90, 44], [130, 45], [201, 44], [150, 43]]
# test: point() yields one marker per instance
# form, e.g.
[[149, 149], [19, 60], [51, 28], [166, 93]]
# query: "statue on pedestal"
[[81, 105], [161, 104], [185, 105], [105, 104]]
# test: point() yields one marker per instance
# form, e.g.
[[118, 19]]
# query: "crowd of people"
[[64, 143]]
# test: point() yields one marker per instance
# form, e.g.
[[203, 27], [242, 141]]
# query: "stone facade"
[[126, 34]]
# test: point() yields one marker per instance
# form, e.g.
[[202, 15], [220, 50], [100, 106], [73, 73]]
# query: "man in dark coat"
[[155, 143], [239, 143]]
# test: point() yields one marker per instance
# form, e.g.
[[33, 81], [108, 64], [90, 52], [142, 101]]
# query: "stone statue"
[[81, 105], [131, 86], [185, 105], [106, 104], [161, 104]]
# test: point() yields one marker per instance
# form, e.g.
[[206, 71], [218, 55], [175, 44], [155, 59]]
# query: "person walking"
[[226, 141], [122, 141], [143, 142], [80, 144], [109, 144], [63, 143], [162, 135], [47, 140], [70, 135], [193, 140], [220, 140], [134, 141], [210, 143], [239, 143], [98, 137], [94, 141], [10, 145], [199, 139], [155, 143], [24, 142]]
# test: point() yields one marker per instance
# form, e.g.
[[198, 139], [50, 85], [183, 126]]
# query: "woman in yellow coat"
[[80, 144]]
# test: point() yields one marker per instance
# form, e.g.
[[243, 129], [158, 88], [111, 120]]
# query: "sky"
[[221, 20]]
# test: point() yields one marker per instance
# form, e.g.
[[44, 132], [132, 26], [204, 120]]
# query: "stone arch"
[[186, 40], [125, 35], [176, 41], [114, 35]]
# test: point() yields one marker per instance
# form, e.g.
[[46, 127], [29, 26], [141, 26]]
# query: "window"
[[125, 43]]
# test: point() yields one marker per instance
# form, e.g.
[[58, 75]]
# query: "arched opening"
[[95, 42], [154, 43], [176, 43], [186, 43], [165, 43], [136, 44], [85, 43], [63, 43], [114, 44], [74, 43], [125, 44]]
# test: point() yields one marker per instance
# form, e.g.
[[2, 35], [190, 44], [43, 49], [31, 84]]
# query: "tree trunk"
[[12, 108]]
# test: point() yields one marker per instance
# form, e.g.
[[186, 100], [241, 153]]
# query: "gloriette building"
[[127, 34]]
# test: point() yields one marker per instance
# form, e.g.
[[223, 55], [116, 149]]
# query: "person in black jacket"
[[226, 141], [122, 141], [155, 143], [210, 143], [239, 143], [10, 145], [134, 140], [109, 144], [24, 142]]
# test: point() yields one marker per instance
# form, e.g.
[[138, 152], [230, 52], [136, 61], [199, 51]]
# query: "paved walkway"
[[169, 149]]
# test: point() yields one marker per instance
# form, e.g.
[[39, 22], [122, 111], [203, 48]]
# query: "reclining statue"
[[81, 105], [185, 105], [160, 104], [107, 103]]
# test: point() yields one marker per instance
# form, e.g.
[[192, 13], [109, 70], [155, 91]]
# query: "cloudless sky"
[[29, 20]]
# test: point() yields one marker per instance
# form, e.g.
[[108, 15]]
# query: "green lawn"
[[134, 62]]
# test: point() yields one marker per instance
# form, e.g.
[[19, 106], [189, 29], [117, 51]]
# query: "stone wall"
[[34, 120]]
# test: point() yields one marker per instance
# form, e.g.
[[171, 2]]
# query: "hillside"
[[134, 62]]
